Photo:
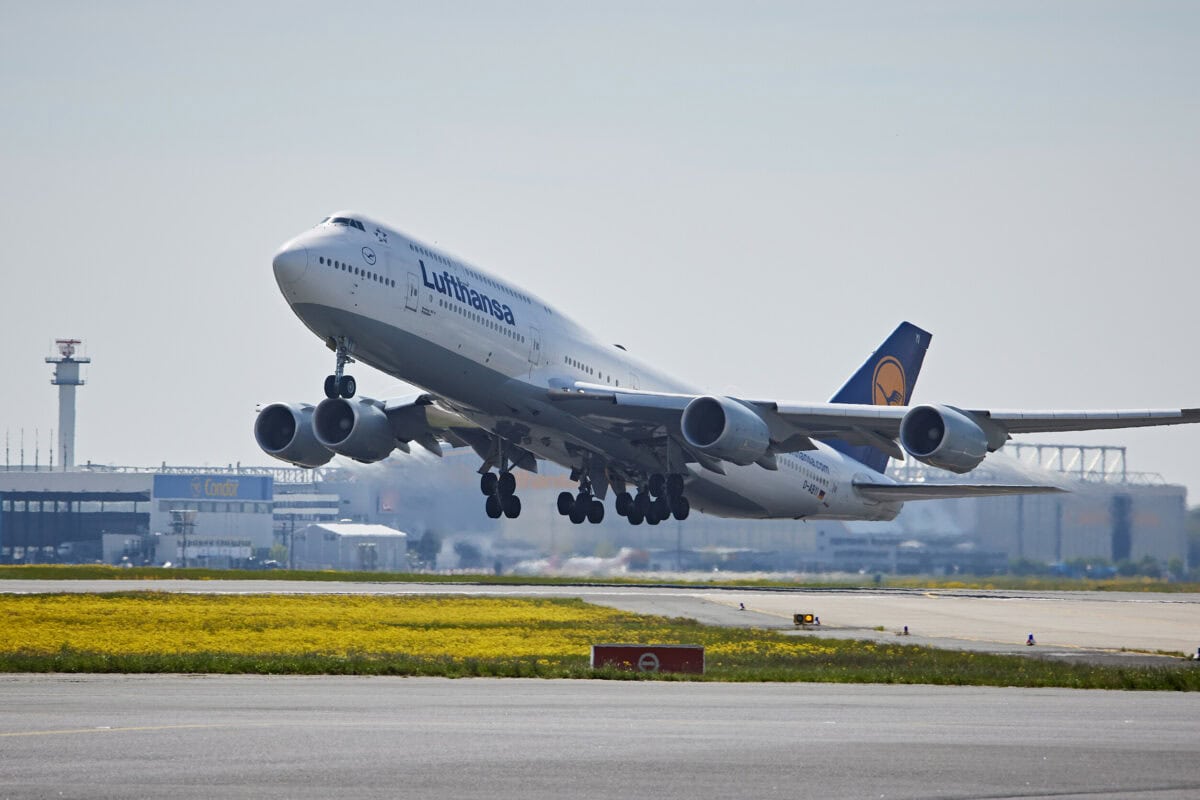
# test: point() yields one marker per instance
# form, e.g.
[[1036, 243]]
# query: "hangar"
[[350, 546]]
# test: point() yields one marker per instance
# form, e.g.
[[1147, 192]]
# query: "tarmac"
[[188, 736]]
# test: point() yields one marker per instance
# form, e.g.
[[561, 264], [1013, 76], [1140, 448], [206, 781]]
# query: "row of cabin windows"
[[589, 370], [796, 466], [479, 276], [487, 322], [344, 267]]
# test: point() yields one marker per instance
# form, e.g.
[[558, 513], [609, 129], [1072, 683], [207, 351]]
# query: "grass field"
[[103, 572], [468, 636]]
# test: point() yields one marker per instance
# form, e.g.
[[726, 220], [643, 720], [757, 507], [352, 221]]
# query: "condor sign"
[[213, 487]]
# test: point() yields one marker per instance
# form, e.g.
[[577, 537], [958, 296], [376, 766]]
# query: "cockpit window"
[[353, 223]]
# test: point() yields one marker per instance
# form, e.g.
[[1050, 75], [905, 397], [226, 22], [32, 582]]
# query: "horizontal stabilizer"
[[903, 492]]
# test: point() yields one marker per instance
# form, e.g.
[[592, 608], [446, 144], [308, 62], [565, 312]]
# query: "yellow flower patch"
[[453, 627]]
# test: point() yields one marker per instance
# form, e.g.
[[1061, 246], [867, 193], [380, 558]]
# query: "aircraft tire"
[[624, 504], [634, 517], [595, 512], [652, 518], [658, 485], [566, 501], [487, 483], [506, 484], [492, 507], [347, 386], [578, 513], [674, 486], [512, 506], [681, 508], [662, 507], [331, 390], [641, 503]]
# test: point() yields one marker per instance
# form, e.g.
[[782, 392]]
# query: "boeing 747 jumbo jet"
[[510, 376]]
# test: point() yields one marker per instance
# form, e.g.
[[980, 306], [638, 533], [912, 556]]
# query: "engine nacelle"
[[285, 431], [356, 429], [944, 438], [724, 428]]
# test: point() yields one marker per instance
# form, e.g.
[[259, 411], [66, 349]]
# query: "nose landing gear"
[[338, 384]]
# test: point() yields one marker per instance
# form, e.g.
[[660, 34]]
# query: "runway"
[[1103, 627], [116, 736], [193, 736]]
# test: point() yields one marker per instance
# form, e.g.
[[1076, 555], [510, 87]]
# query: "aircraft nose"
[[290, 264]]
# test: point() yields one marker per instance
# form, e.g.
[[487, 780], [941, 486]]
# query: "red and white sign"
[[650, 657]]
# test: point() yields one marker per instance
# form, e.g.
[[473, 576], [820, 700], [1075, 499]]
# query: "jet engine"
[[286, 432], [356, 429], [724, 428], [943, 437]]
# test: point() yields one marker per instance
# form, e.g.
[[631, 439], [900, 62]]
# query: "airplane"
[[507, 374]]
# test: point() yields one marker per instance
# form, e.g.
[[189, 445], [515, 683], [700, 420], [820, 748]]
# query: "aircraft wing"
[[421, 419], [1056, 421], [903, 492], [793, 426]]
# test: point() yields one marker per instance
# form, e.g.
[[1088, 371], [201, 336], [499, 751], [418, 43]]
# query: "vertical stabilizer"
[[886, 379]]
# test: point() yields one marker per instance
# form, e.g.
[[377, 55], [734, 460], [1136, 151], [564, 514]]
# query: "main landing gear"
[[581, 506], [659, 499], [500, 491], [338, 384]]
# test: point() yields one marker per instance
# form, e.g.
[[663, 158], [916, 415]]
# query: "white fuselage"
[[491, 350]]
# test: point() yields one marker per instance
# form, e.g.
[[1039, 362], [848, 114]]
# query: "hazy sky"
[[749, 194]]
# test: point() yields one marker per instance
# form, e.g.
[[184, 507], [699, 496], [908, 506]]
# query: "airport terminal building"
[[141, 516], [239, 516]]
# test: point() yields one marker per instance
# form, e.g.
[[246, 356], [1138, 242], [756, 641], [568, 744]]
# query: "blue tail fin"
[[886, 379]]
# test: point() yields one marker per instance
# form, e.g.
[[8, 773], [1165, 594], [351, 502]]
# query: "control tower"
[[66, 378]]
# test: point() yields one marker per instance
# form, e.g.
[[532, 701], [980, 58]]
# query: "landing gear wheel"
[[492, 507], [634, 517], [624, 504], [657, 484], [331, 390], [578, 513], [507, 484], [512, 506], [487, 483], [347, 386], [566, 501], [653, 518], [641, 503], [674, 486], [681, 508], [595, 512], [662, 507]]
